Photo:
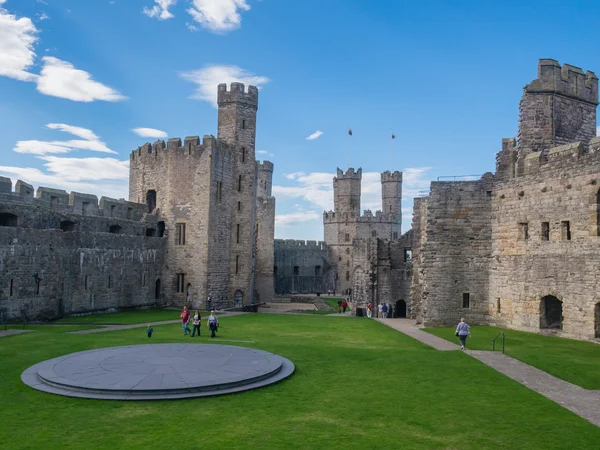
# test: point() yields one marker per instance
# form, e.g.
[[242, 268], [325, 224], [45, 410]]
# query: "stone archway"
[[551, 313], [400, 310], [597, 321]]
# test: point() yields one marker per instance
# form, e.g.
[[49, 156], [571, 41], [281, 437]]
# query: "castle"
[[200, 224], [518, 248]]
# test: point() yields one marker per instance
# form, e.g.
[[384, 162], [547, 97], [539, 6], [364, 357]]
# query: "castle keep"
[[200, 223]]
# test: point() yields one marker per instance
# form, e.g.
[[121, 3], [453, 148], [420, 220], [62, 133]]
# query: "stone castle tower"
[[213, 208], [345, 224]]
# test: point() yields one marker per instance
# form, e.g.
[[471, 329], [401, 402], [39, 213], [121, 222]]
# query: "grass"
[[357, 385], [574, 361]]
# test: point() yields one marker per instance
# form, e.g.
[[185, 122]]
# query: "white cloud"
[[89, 141], [150, 133], [101, 176], [160, 10], [317, 188], [264, 153], [61, 79], [285, 220], [191, 27], [43, 16], [211, 76], [314, 136], [218, 16], [39, 178], [17, 39]]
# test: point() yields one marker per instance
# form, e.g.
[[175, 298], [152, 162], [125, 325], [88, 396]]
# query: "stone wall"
[[265, 218], [56, 261], [302, 267]]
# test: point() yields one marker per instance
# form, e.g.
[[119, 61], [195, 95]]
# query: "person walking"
[[384, 310], [213, 323], [380, 310], [369, 310], [463, 331], [185, 318], [345, 305], [339, 306], [149, 330], [196, 322]]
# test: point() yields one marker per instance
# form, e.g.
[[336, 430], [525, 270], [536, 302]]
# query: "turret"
[[346, 191], [557, 108], [391, 192], [265, 179]]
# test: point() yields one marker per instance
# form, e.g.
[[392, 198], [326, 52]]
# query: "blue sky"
[[78, 77]]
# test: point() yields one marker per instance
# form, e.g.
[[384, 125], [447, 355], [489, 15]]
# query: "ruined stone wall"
[[454, 259], [563, 192], [265, 218], [302, 267], [56, 261], [418, 286]]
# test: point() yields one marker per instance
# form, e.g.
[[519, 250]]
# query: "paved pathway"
[[141, 325], [408, 327], [582, 402], [9, 332]]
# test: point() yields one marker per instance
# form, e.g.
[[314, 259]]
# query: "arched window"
[[67, 225]]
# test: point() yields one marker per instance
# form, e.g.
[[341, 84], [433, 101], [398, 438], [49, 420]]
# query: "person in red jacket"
[[345, 305], [185, 318]]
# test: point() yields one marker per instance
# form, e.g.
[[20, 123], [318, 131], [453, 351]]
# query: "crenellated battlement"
[[388, 176], [367, 217], [237, 94], [349, 174], [299, 244], [265, 166], [191, 145], [565, 80], [63, 202]]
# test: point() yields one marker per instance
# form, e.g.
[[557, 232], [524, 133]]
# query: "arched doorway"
[[238, 299], [597, 321], [551, 316], [400, 309], [157, 289]]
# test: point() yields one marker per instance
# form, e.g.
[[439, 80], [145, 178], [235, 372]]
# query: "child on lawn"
[[149, 330]]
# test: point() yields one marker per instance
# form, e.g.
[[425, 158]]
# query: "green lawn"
[[575, 361], [357, 385], [127, 318]]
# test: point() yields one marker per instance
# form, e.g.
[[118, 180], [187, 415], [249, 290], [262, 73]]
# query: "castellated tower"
[[206, 195], [265, 217], [557, 108], [344, 225]]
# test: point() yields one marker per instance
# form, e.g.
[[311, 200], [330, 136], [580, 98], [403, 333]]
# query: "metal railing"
[[501, 334], [459, 177]]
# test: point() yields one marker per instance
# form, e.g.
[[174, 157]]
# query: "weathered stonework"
[[200, 223], [524, 243]]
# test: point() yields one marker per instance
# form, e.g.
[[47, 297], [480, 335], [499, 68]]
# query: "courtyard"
[[357, 384]]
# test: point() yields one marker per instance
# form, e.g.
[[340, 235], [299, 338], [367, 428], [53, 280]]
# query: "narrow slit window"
[[237, 234], [466, 300], [239, 183], [243, 154], [180, 233], [545, 231], [180, 282], [524, 231], [243, 124], [10, 292], [237, 263], [565, 230]]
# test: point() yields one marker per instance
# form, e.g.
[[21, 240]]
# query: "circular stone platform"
[[158, 371]]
